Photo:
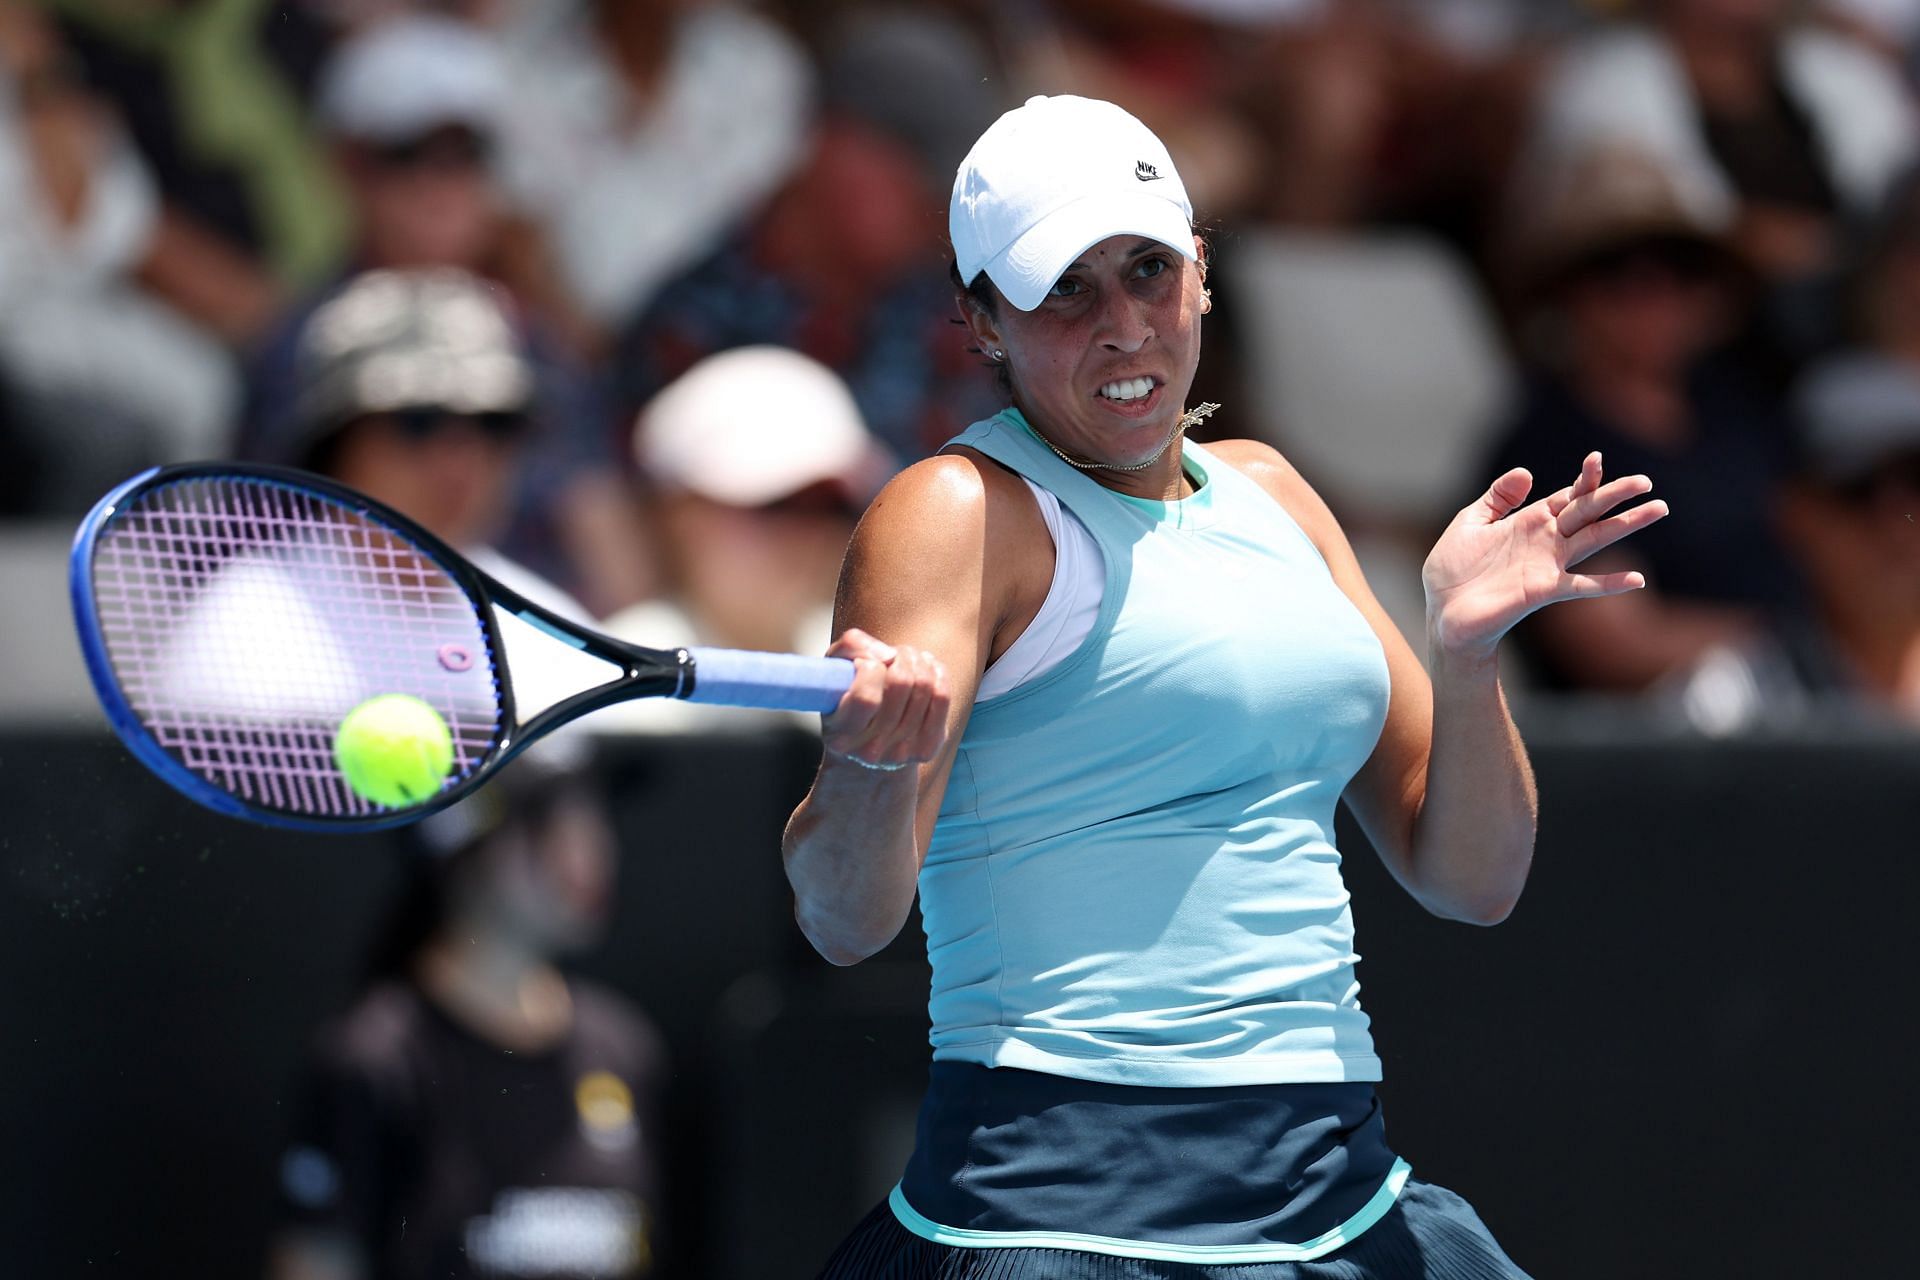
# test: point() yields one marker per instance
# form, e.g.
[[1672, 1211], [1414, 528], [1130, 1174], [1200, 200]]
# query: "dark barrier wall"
[[1683, 1056]]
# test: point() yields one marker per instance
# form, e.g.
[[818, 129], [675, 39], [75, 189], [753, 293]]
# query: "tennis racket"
[[232, 616]]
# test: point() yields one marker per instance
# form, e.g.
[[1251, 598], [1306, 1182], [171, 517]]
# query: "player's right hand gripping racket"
[[232, 616]]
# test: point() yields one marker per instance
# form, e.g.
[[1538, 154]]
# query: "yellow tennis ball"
[[394, 749]]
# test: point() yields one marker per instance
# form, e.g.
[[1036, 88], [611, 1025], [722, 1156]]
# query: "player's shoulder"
[[958, 481], [954, 533], [1267, 467], [1253, 458], [952, 502]]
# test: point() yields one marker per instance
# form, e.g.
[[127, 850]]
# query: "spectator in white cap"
[[756, 463], [1109, 687], [414, 108], [417, 109]]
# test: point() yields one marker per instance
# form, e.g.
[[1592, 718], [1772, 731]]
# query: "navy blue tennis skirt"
[[1429, 1234], [1025, 1174]]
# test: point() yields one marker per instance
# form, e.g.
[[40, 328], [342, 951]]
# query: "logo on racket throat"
[[1146, 172]]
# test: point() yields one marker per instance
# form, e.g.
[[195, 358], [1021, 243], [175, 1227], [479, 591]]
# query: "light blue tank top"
[[1133, 878]]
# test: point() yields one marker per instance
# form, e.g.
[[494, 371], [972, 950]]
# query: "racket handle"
[[776, 681]]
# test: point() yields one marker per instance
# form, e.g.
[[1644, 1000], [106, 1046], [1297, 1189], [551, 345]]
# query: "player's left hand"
[[1499, 560]]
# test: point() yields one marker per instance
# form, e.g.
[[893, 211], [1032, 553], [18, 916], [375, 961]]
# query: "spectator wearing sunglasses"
[[413, 109], [1626, 299], [414, 388]]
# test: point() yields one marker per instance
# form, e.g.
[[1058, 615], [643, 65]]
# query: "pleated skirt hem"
[[1430, 1234]]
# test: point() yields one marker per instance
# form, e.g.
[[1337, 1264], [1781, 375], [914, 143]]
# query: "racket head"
[[231, 616]]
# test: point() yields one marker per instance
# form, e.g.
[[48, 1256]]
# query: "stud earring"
[[998, 355]]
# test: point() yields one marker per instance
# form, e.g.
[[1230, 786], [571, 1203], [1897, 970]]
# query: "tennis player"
[[1110, 687]]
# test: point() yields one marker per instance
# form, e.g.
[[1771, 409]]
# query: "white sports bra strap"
[[1072, 604]]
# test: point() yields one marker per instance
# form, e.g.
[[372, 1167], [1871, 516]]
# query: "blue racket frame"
[[735, 677]]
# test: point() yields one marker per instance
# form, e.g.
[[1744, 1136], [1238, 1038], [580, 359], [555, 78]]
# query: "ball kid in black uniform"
[[475, 1113]]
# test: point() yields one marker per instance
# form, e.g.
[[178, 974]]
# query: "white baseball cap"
[[748, 426], [409, 75], [1052, 178]]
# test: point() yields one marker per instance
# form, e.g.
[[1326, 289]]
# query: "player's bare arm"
[[940, 577]]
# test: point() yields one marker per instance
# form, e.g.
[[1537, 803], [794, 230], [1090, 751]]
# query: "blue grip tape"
[[775, 681]]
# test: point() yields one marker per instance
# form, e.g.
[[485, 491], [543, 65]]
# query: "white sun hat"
[[1052, 178], [755, 424]]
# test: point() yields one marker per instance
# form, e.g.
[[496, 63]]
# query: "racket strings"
[[244, 618]]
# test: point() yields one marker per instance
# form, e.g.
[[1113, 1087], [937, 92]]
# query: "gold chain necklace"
[[1188, 420]]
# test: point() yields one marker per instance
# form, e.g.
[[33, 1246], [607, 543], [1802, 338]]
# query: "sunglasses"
[[1678, 261]]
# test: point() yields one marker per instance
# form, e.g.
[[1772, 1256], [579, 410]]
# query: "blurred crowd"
[[640, 300]]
